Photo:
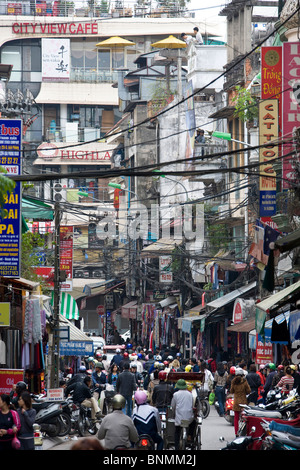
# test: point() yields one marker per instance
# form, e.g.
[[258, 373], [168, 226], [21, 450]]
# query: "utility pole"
[[56, 301]]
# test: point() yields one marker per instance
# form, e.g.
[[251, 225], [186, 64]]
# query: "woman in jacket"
[[27, 417], [240, 388], [9, 423]]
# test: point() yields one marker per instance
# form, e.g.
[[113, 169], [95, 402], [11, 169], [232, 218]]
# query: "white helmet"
[[239, 371]]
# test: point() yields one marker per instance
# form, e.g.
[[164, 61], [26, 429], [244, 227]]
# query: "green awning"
[[36, 210], [68, 306]]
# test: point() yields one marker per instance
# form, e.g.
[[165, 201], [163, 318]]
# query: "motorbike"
[[254, 417], [242, 443], [69, 417], [85, 423], [229, 413], [105, 401], [280, 437], [145, 442], [47, 416]]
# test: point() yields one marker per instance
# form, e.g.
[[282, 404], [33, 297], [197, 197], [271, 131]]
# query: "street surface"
[[212, 428]]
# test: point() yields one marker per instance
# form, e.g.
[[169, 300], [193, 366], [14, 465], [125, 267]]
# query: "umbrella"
[[170, 43], [115, 41]]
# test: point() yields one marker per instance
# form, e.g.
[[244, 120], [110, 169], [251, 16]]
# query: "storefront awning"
[[68, 306], [129, 310], [244, 326], [74, 92], [163, 246], [279, 299], [36, 210], [185, 323], [226, 299]]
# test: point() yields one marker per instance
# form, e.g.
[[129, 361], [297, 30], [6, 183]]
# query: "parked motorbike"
[[105, 401], [47, 416], [68, 417], [254, 417], [280, 437], [241, 443]]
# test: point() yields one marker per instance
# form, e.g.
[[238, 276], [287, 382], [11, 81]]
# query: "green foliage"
[[246, 106]]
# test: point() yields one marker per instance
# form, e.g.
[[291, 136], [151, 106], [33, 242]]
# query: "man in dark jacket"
[[162, 393], [254, 381], [125, 386], [82, 394]]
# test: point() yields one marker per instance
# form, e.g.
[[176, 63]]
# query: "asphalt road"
[[212, 428]]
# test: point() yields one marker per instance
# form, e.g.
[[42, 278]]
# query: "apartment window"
[[25, 57]]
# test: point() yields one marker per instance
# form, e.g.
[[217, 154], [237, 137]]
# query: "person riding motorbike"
[[271, 371], [117, 429], [99, 378], [82, 394], [146, 418], [163, 392]]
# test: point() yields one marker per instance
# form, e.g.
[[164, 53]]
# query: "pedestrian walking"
[[239, 389], [9, 423], [27, 418], [220, 380]]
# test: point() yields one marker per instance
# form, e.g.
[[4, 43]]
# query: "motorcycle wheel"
[[205, 408], [81, 425], [92, 428], [54, 430], [65, 424]]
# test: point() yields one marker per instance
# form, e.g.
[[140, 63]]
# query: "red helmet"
[[162, 375], [232, 370], [280, 367], [125, 354]]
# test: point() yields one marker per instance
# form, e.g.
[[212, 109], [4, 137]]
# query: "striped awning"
[[68, 306]]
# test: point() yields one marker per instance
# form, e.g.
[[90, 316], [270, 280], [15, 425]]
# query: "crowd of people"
[[141, 385]]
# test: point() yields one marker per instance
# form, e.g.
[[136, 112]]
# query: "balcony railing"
[[81, 74], [83, 134], [79, 8]]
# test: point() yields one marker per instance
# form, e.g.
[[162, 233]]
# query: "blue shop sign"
[[10, 223], [76, 348]]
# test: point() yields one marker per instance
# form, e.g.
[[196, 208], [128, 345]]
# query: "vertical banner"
[[11, 223], [66, 256], [271, 77], [268, 133], [291, 105], [55, 59]]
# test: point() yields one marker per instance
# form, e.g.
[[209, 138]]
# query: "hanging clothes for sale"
[[280, 332]]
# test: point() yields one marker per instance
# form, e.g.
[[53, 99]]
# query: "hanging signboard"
[[165, 268], [10, 223], [268, 151], [56, 59], [66, 256], [291, 106]]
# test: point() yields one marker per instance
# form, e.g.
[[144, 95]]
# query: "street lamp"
[[175, 181]]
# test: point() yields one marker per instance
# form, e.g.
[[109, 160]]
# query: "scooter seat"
[[274, 426], [288, 439], [264, 413]]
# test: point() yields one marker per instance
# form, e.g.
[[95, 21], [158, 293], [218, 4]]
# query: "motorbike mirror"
[[253, 429], [221, 438]]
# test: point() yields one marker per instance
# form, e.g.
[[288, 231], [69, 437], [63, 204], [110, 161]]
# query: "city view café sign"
[[53, 29], [60, 153]]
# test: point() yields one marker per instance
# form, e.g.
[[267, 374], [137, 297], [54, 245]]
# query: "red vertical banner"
[[291, 105], [66, 255], [272, 83]]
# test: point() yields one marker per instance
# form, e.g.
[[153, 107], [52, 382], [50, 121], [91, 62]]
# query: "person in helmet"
[[240, 388], [271, 371], [146, 418], [254, 381], [117, 429], [99, 378], [117, 358], [163, 392], [125, 360], [182, 404], [17, 389], [279, 374]]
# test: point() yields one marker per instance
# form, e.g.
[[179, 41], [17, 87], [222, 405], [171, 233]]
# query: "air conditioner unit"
[[59, 192]]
